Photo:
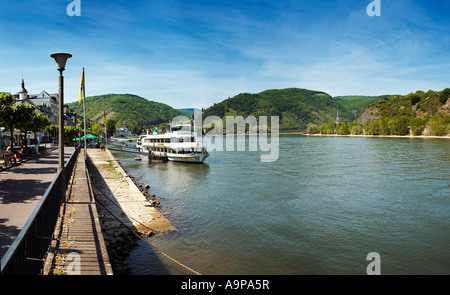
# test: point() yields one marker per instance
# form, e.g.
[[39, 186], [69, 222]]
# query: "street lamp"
[[61, 59]]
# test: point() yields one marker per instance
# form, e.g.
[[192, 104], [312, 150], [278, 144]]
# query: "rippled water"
[[320, 209]]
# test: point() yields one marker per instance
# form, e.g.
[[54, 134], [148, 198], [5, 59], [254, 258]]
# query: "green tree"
[[52, 130], [373, 128], [399, 125], [95, 128], [23, 115], [440, 125], [69, 132], [356, 130], [385, 126], [444, 95], [312, 129], [417, 126], [327, 129], [110, 126], [7, 113], [40, 122], [342, 129], [6, 103]]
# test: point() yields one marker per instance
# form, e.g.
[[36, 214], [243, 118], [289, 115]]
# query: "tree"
[[23, 115], [52, 130], [312, 129], [416, 126], [444, 95], [40, 122], [69, 132], [356, 130], [7, 113], [399, 125], [327, 129], [342, 129], [373, 128], [110, 126], [440, 125], [95, 128], [6, 103]]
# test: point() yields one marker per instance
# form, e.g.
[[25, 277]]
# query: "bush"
[[356, 130], [439, 125], [313, 129], [417, 126], [342, 129], [327, 129], [444, 95], [399, 126], [373, 128]]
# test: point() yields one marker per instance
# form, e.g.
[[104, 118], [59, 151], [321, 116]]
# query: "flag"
[[81, 86]]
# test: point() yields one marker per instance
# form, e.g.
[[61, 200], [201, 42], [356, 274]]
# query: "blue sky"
[[195, 53]]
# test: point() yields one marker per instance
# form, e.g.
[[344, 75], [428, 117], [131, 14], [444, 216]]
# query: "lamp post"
[[61, 59]]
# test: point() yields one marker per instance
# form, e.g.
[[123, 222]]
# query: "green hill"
[[296, 107], [419, 113], [354, 105], [126, 109], [189, 112]]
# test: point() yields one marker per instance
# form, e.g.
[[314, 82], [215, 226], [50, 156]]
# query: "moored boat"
[[180, 144]]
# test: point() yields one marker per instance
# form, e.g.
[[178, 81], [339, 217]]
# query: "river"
[[319, 209]]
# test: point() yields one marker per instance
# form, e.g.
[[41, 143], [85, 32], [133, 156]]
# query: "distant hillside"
[[126, 109], [189, 112], [414, 114], [296, 107], [354, 105], [416, 105]]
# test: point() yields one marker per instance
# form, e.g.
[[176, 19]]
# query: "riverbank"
[[125, 209], [376, 136]]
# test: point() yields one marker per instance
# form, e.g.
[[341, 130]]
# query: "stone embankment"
[[126, 209]]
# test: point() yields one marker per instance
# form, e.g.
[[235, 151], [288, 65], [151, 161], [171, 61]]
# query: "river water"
[[319, 209]]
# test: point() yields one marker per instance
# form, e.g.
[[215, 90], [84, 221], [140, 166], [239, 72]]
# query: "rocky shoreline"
[[126, 209]]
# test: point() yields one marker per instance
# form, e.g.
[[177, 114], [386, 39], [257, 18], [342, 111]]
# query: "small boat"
[[138, 159], [180, 144]]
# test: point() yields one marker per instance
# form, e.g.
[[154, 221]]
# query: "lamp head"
[[61, 59]]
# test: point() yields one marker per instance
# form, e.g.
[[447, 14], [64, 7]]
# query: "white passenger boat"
[[180, 144]]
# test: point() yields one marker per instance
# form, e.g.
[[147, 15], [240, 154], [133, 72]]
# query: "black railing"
[[28, 251]]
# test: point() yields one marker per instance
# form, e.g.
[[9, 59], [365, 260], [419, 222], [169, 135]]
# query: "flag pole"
[[84, 110], [106, 133]]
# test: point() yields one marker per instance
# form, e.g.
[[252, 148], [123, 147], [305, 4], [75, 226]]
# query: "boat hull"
[[194, 158]]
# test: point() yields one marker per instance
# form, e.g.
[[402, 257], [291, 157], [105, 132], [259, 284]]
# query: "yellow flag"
[[81, 86]]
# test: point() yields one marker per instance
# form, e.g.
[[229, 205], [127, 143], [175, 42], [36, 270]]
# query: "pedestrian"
[[22, 153], [9, 154]]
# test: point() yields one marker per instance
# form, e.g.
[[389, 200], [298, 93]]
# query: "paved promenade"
[[21, 188]]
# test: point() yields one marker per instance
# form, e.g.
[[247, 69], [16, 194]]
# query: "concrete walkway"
[[21, 188]]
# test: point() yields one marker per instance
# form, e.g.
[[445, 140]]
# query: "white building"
[[123, 131], [45, 103]]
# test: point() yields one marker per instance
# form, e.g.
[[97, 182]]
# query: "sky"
[[199, 52]]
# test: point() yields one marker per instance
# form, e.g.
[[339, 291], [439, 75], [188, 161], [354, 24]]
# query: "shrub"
[[313, 129]]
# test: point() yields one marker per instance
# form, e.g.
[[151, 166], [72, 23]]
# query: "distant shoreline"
[[324, 135], [379, 136]]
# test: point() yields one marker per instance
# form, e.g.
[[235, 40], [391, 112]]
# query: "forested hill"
[[127, 109], [296, 107]]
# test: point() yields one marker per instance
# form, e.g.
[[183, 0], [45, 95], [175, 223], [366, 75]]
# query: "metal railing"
[[28, 251]]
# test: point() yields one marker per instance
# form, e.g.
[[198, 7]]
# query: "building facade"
[[45, 103]]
